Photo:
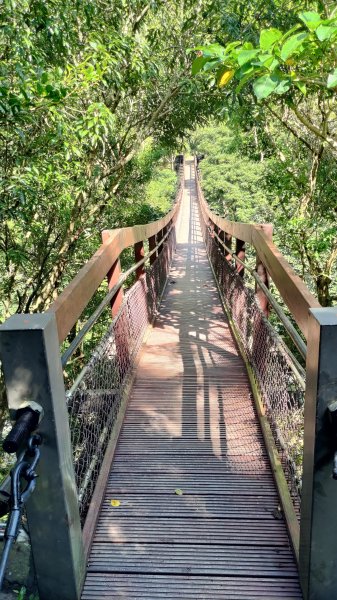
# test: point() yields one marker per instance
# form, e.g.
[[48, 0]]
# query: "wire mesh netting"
[[280, 388], [94, 404]]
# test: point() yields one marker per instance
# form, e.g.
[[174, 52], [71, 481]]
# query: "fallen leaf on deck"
[[179, 492], [115, 503]]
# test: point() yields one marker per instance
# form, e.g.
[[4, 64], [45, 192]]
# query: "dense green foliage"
[[232, 180], [93, 97], [83, 86], [245, 185], [278, 85]]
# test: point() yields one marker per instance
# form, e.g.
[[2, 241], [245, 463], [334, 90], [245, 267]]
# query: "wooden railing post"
[[160, 236], [318, 539], [228, 242], [30, 355], [112, 278], [221, 235], [240, 252], [263, 274], [139, 254], [152, 245], [259, 294]]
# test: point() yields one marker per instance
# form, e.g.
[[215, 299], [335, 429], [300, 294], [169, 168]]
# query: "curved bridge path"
[[198, 503]]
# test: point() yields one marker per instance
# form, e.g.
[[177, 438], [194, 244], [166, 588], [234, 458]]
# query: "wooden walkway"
[[197, 497]]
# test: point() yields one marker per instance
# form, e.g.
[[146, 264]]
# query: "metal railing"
[[297, 409], [80, 426], [95, 398]]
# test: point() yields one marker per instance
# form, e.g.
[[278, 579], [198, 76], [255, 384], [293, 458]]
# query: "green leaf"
[[245, 70], [289, 33], [325, 32], [268, 37], [234, 45], [332, 79], [198, 64], [264, 86], [245, 56], [310, 19], [247, 46], [245, 79], [283, 87], [211, 50], [293, 44], [302, 87], [211, 64], [268, 61]]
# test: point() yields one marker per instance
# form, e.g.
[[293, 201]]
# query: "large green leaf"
[[245, 56], [283, 86], [268, 61], [211, 64], [301, 86], [268, 37], [249, 75], [332, 79], [264, 86], [293, 44], [246, 69], [310, 19], [211, 51], [198, 64], [325, 32]]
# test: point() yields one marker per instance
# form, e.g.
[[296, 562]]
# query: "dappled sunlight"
[[190, 471], [114, 532]]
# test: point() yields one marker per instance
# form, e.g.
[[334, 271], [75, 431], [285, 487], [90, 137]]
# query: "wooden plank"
[[197, 505], [152, 587], [161, 530], [194, 559], [181, 464], [189, 484]]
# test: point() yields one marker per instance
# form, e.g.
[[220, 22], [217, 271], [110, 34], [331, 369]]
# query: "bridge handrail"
[[72, 301], [293, 290], [295, 336], [107, 298]]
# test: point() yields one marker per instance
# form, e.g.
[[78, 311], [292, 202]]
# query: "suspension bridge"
[[173, 465]]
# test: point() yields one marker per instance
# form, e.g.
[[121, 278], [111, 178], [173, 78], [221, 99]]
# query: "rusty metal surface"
[[198, 514]]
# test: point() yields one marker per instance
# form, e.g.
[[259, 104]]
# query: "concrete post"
[[30, 354], [318, 540]]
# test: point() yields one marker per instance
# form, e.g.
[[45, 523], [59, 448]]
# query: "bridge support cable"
[[79, 424]]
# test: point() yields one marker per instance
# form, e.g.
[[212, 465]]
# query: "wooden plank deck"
[[191, 426]]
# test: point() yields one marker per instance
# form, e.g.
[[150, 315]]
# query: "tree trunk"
[[323, 292]]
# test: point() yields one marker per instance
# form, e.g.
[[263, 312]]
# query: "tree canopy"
[[279, 84]]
